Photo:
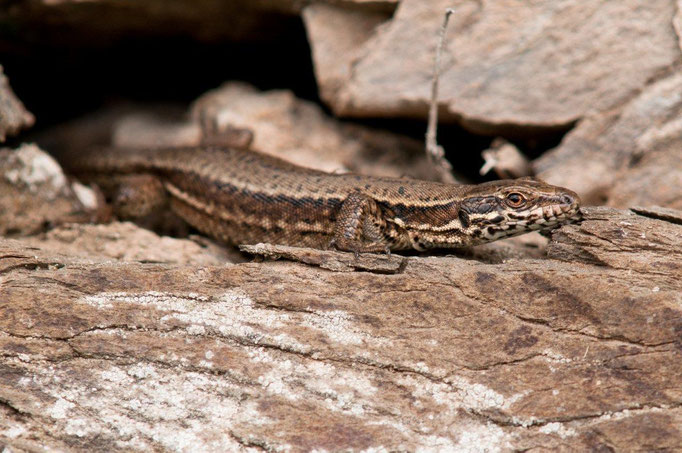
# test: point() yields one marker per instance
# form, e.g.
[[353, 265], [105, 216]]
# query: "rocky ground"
[[114, 337]]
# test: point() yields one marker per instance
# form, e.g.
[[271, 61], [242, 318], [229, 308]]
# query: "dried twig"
[[433, 150]]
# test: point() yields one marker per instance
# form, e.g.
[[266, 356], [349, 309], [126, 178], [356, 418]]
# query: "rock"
[[126, 242], [149, 129], [579, 351], [626, 156], [506, 160], [507, 63], [330, 259], [300, 132], [641, 236], [13, 114], [92, 130], [278, 123], [657, 178], [34, 192]]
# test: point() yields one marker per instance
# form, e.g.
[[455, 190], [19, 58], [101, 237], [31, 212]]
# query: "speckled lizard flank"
[[242, 196]]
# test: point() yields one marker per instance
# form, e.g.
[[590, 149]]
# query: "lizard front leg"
[[358, 226]]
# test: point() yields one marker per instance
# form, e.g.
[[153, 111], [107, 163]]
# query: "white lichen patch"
[[142, 371], [379, 449], [233, 314], [60, 408], [146, 407], [79, 427], [13, 431], [338, 326], [336, 388], [467, 436], [558, 429], [555, 357], [458, 394], [32, 168], [627, 413], [475, 437]]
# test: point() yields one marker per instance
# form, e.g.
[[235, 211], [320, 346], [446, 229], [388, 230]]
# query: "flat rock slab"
[[626, 156], [34, 192], [506, 62], [578, 351]]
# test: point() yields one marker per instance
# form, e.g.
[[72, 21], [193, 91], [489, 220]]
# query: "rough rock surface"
[[506, 62], [627, 156], [281, 125], [34, 192], [126, 242], [578, 351], [336, 35], [300, 132], [13, 114]]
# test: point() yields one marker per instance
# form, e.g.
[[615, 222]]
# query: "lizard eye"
[[515, 200]]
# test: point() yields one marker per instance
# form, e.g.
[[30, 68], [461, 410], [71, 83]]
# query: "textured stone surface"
[[13, 115], [626, 156], [126, 242], [506, 62], [280, 123], [580, 351], [34, 193], [300, 132], [336, 35]]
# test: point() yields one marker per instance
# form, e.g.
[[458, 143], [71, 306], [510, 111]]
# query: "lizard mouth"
[[563, 210], [553, 214], [549, 216]]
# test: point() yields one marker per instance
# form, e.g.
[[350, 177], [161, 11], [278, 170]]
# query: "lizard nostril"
[[567, 199]]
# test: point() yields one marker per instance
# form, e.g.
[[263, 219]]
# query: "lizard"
[[241, 196]]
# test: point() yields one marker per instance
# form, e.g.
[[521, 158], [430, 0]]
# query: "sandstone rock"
[[336, 35], [577, 351], [13, 114], [70, 22], [35, 193], [507, 63], [280, 124], [300, 132], [506, 160], [626, 156], [126, 242]]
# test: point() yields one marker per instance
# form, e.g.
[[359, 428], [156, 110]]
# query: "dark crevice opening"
[[61, 83]]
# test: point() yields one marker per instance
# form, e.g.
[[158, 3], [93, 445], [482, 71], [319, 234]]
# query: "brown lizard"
[[244, 197]]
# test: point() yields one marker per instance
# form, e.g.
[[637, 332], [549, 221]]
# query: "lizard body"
[[243, 197]]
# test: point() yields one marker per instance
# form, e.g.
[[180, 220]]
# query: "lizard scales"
[[243, 197]]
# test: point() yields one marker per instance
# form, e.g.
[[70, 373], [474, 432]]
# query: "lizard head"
[[487, 212], [505, 208]]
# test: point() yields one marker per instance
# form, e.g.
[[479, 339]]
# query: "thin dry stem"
[[433, 150]]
